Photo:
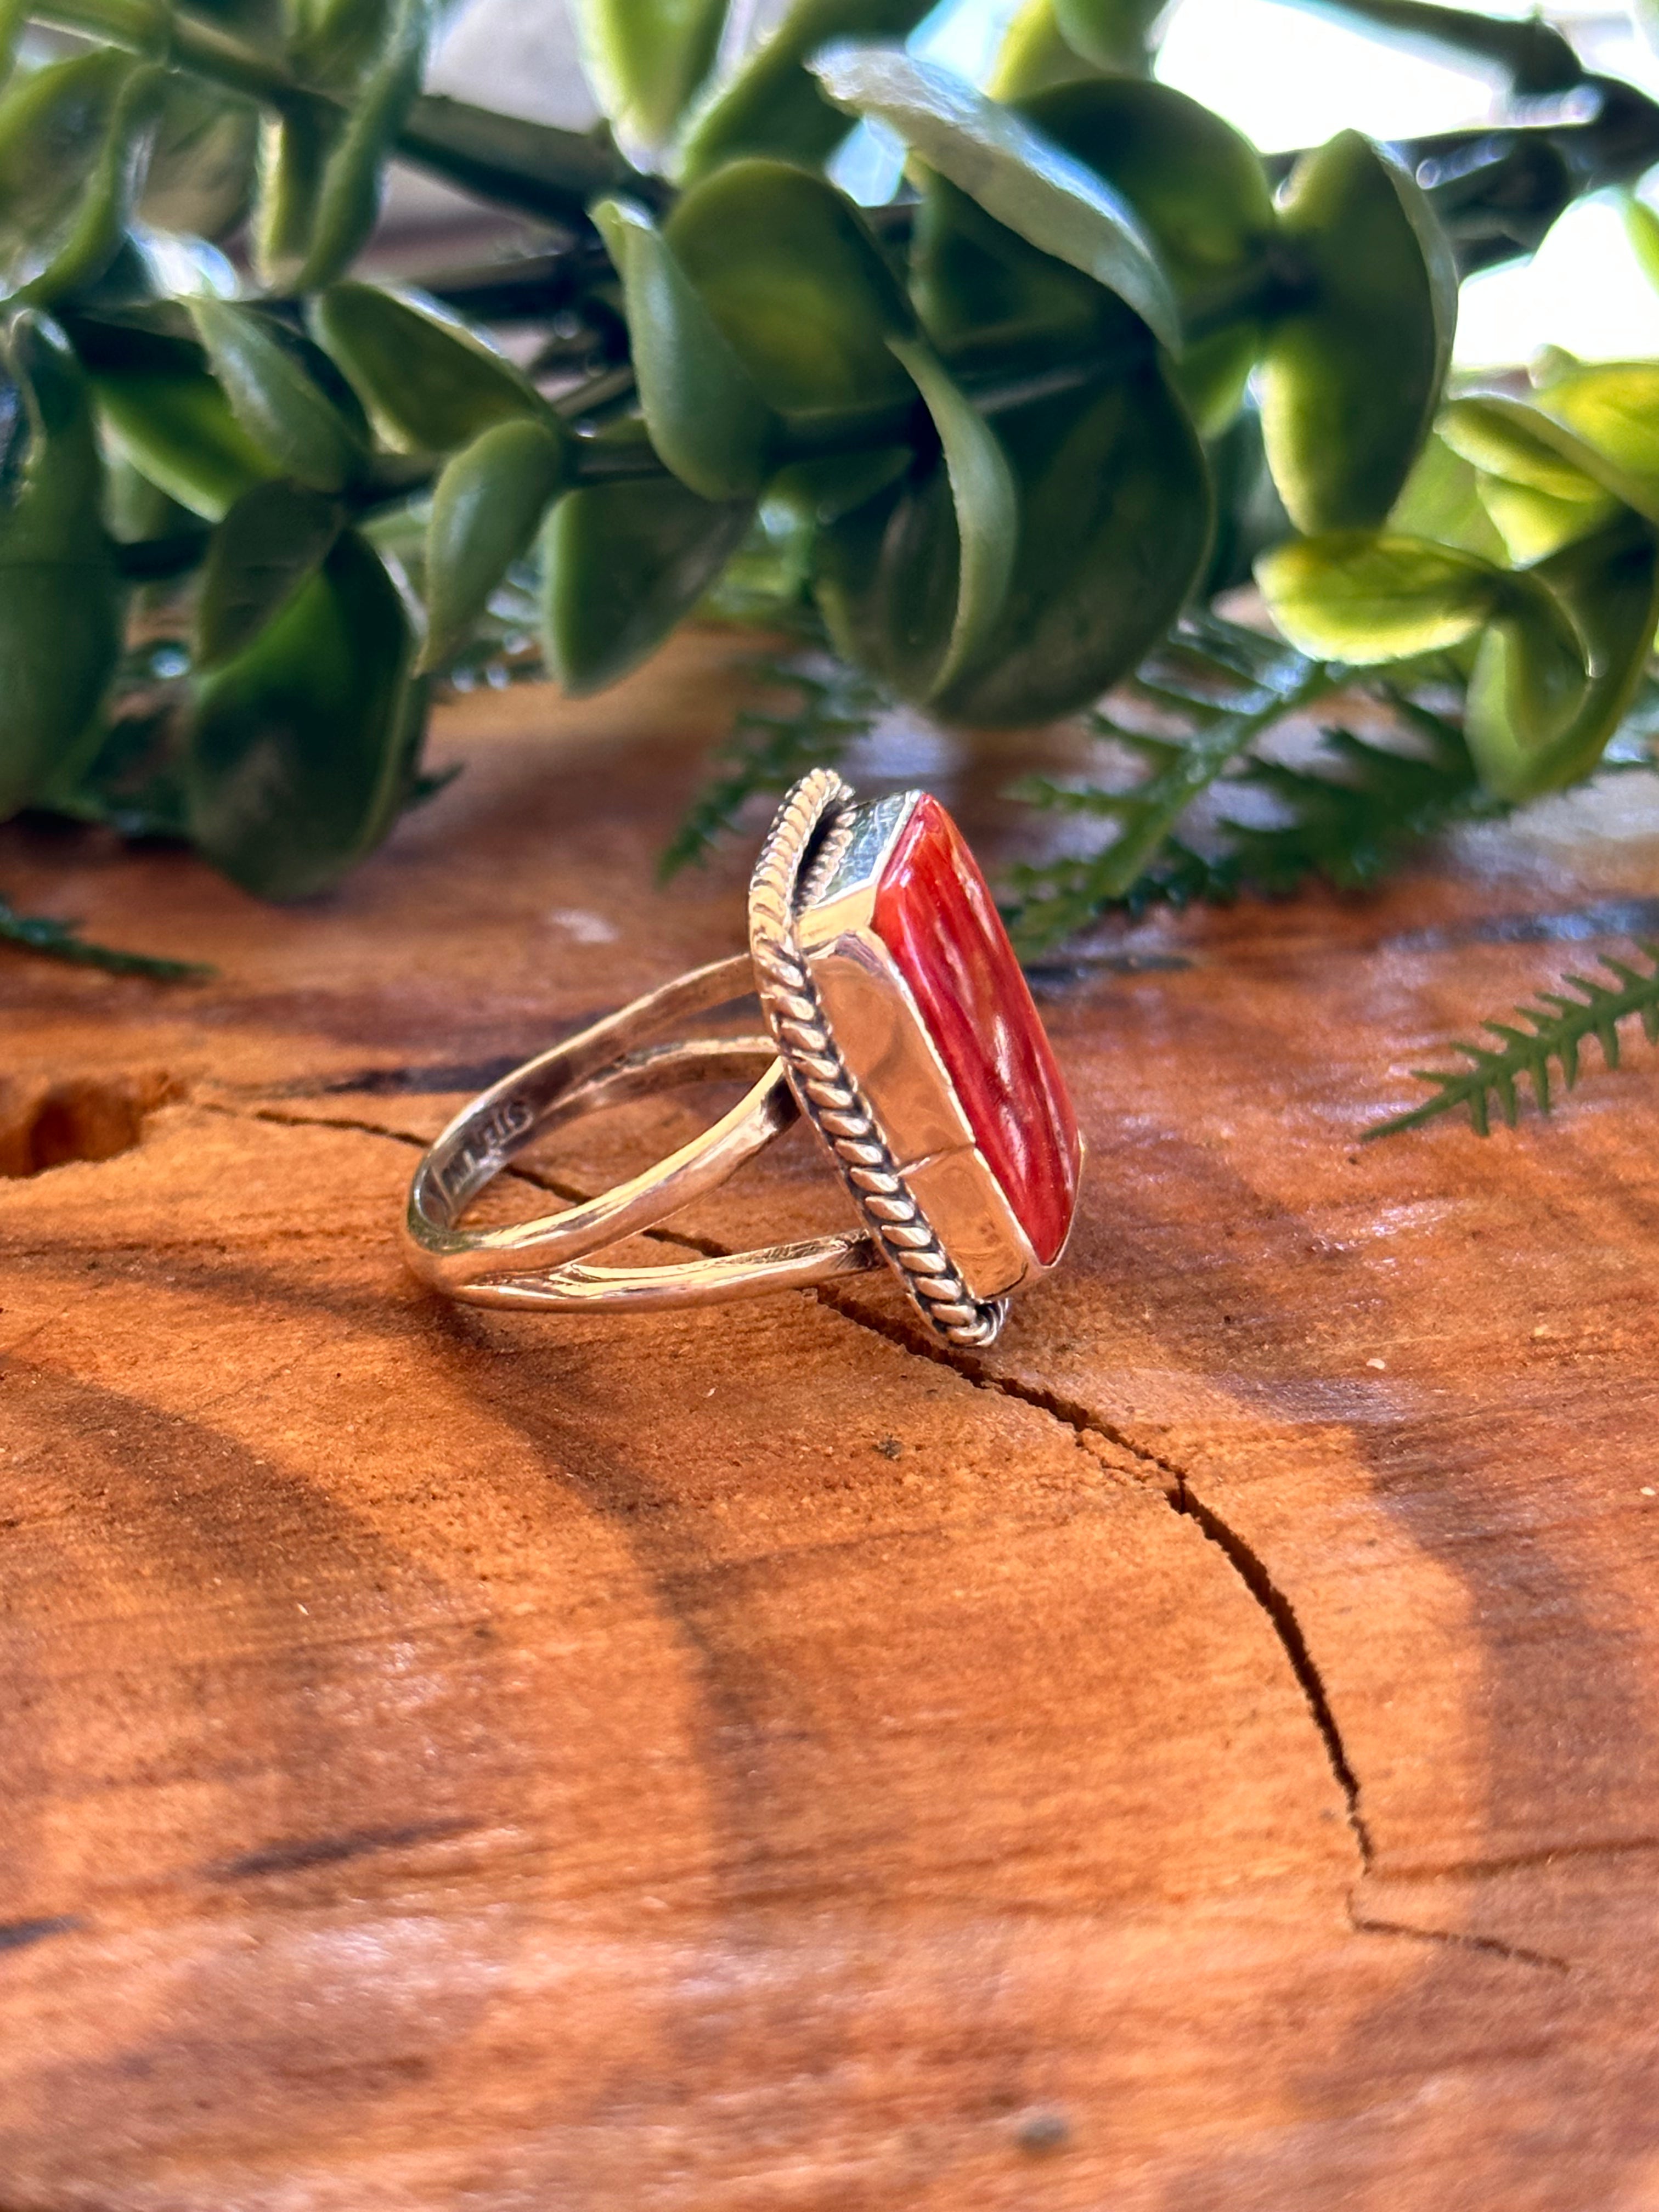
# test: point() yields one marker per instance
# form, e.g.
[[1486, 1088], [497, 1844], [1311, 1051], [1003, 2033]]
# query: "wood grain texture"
[[1196, 1757]]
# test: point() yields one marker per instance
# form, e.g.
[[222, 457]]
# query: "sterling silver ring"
[[898, 1023]]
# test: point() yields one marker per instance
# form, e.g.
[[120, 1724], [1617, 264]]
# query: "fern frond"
[[1052, 902], [769, 750], [1554, 1030], [61, 940]]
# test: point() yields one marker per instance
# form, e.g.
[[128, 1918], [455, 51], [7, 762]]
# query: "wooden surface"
[[1199, 1756]]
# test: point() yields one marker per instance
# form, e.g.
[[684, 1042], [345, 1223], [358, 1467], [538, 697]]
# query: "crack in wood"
[[1170, 1481], [1516, 1953]]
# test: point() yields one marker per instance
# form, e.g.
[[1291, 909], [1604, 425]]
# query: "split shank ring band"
[[898, 1023]]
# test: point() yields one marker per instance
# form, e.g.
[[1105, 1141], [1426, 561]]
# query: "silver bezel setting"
[[864, 1069]]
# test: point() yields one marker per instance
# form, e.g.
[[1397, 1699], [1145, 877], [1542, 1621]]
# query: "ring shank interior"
[[534, 1263]]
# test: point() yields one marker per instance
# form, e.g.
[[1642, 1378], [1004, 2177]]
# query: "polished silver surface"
[[818, 837], [846, 1046], [535, 1263]]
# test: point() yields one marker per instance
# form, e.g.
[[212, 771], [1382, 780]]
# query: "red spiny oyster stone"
[[934, 913]]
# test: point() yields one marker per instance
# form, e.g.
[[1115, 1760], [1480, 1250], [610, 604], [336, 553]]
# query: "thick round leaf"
[[1113, 520], [1014, 171], [59, 609], [1114, 35], [1358, 596], [1609, 584], [349, 184], [1035, 56], [985, 506], [1613, 409], [1497, 436], [1351, 379], [74, 138], [321, 164], [275, 399], [295, 146], [645, 58], [301, 750], [1527, 688], [798, 287], [271, 543], [335, 42], [484, 512], [916, 578], [176, 426], [1442, 501], [771, 103], [1536, 524], [428, 380], [1196, 186], [1213, 375], [704, 411], [992, 302], [200, 177], [621, 564]]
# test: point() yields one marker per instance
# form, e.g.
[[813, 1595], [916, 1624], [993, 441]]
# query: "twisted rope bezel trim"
[[790, 873]]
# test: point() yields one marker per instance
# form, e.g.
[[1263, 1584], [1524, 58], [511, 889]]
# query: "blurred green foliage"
[[993, 449]]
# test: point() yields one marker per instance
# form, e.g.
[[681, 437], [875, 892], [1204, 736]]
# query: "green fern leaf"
[[61, 940], [1230, 686], [769, 751], [1555, 1027]]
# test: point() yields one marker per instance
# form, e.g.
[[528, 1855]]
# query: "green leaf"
[[995, 304], [1034, 55], [1195, 185], [200, 177], [792, 279], [335, 42], [1114, 518], [177, 429], [914, 582], [429, 382], [985, 505], [645, 58], [772, 103], [61, 940], [349, 184], [1352, 377], [1612, 410], [487, 502], [1013, 171], [1365, 597], [1499, 439], [301, 749], [706, 416], [622, 563], [1609, 586], [1052, 42], [275, 398], [1113, 35], [1442, 500], [271, 543], [1527, 688], [74, 138], [1584, 1007], [1535, 523], [60, 607]]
